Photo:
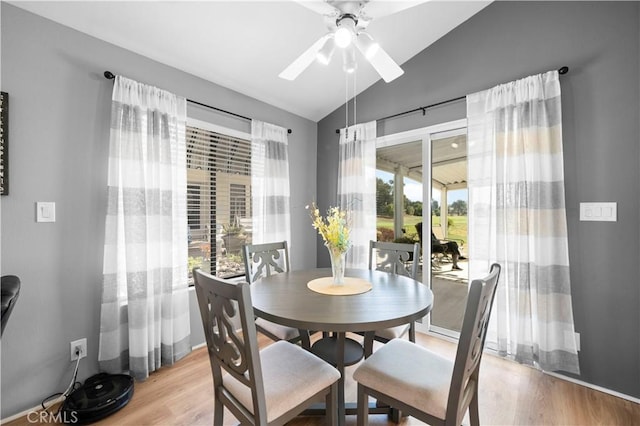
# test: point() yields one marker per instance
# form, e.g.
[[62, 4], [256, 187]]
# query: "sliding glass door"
[[421, 191]]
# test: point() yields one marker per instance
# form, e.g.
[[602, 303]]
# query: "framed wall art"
[[4, 143]]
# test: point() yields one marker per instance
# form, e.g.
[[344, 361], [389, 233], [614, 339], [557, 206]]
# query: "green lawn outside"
[[457, 230], [409, 223]]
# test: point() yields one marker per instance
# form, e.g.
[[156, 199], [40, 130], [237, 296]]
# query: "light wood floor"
[[510, 394]]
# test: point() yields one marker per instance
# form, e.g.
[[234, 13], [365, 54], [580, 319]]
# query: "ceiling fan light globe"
[[349, 64], [343, 37]]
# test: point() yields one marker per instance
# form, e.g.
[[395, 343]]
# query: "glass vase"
[[337, 266]]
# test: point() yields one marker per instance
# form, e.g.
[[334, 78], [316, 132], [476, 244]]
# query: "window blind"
[[218, 200]]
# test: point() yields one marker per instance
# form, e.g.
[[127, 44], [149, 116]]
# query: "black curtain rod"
[[561, 71], [109, 75]]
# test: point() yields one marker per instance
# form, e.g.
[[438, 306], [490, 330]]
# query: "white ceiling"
[[244, 45]]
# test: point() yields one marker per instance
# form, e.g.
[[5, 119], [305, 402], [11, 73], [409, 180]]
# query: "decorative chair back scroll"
[[396, 258], [265, 259]]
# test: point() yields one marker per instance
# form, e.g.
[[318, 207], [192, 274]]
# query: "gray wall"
[[599, 41], [60, 107]]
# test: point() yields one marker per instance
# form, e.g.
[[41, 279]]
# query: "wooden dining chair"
[[425, 385], [267, 387], [395, 258], [262, 260]]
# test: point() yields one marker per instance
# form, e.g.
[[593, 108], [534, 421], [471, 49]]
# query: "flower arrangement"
[[334, 229]]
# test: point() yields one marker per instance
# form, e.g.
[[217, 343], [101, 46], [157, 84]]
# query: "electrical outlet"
[[81, 345]]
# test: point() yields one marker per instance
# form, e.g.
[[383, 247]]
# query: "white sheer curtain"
[[144, 319], [357, 188], [517, 218], [270, 192]]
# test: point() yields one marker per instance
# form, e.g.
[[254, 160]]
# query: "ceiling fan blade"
[[382, 62], [319, 7], [304, 60], [379, 9]]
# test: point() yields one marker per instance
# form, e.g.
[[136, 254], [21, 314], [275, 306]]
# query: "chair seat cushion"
[[291, 375], [280, 331], [409, 373], [393, 332]]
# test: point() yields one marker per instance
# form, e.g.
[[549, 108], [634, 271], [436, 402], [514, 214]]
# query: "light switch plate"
[[45, 211], [599, 212]]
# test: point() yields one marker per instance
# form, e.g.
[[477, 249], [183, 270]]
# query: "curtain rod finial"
[[563, 70], [109, 75]]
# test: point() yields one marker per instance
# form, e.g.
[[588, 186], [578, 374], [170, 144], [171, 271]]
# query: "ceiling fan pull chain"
[[355, 110], [346, 106]]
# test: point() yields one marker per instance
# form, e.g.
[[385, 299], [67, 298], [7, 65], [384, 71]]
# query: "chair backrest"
[[437, 231], [419, 231], [231, 350], [264, 259], [394, 257], [10, 292], [471, 343]]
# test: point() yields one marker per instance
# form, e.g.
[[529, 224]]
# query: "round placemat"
[[351, 286]]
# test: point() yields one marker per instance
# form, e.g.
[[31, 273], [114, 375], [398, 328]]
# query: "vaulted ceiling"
[[244, 45]]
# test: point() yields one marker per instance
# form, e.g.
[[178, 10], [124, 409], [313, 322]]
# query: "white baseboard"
[[198, 346], [594, 387]]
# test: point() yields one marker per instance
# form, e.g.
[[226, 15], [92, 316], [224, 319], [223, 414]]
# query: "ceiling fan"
[[347, 22]]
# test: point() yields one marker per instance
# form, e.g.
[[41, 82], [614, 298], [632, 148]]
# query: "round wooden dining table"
[[393, 300]]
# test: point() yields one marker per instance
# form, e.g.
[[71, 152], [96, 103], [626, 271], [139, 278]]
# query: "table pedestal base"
[[327, 349]]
